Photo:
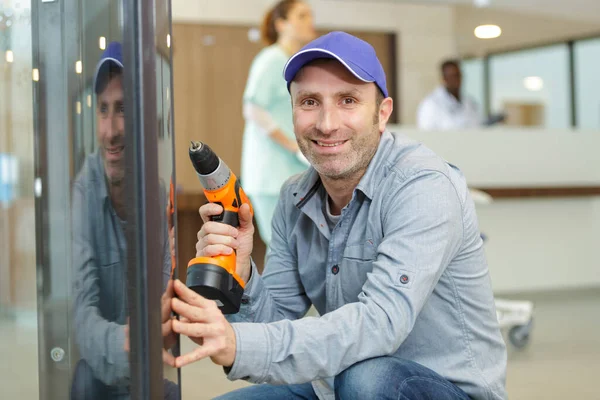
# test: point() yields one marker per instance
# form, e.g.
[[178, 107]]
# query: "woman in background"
[[270, 153]]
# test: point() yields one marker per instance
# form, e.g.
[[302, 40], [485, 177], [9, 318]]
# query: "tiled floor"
[[561, 362]]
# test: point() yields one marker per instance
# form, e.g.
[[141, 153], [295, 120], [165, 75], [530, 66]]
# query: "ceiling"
[[585, 10]]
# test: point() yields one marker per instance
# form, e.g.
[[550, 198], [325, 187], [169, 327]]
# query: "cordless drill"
[[215, 278]]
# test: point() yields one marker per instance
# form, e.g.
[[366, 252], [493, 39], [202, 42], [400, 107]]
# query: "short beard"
[[361, 164]]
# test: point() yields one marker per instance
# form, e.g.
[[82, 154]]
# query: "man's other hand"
[[203, 322]]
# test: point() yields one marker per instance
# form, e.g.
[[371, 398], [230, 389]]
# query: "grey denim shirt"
[[100, 276], [402, 274]]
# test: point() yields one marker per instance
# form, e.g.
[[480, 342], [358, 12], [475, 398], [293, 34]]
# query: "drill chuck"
[[212, 172], [204, 160]]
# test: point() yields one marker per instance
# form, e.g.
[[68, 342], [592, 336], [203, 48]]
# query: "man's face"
[[336, 119], [452, 78], [110, 129]]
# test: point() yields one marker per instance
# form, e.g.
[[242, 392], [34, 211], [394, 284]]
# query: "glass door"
[[86, 204]]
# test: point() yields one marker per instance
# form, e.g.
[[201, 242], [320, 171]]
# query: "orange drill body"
[[216, 277]]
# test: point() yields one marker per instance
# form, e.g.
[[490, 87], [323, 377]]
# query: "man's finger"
[[188, 296], [217, 228], [199, 329], [167, 328], [168, 358], [213, 238], [245, 216], [208, 210], [212, 250], [193, 313], [198, 354]]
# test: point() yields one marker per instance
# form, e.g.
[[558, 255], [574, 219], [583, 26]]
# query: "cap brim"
[[102, 70], [303, 57]]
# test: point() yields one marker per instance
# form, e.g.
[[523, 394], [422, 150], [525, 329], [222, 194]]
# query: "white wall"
[[425, 34], [534, 243]]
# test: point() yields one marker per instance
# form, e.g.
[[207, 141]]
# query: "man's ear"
[[385, 111]]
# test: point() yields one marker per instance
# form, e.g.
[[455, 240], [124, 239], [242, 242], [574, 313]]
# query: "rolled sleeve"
[[252, 353]]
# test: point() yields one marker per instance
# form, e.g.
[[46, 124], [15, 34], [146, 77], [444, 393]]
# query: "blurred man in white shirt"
[[446, 108]]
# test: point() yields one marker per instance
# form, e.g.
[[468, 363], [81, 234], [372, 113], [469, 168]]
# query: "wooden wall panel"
[[210, 67]]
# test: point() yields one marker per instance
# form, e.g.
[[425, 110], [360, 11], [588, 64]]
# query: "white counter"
[[502, 157]]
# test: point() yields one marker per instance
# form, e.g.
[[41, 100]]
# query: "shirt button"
[[404, 279], [335, 269]]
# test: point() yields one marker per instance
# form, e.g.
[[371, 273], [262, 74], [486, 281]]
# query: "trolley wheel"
[[519, 334]]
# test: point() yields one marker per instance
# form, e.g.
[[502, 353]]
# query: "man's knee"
[[364, 380], [393, 378]]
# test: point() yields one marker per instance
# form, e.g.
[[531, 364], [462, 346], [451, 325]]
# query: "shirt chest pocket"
[[357, 262]]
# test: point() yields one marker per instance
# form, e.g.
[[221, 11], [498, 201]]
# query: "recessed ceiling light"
[[533, 83], [488, 31]]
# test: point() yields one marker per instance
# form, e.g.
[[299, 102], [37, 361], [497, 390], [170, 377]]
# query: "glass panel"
[[473, 80], [532, 87], [71, 278], [587, 81], [18, 320]]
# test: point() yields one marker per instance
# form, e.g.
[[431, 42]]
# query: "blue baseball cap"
[[111, 57], [356, 55]]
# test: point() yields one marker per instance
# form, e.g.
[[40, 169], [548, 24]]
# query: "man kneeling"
[[380, 235]]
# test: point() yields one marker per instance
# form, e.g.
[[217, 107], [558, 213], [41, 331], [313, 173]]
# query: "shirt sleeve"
[[100, 342], [415, 251]]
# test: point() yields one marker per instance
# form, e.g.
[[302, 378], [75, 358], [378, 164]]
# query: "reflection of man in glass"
[[101, 325]]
